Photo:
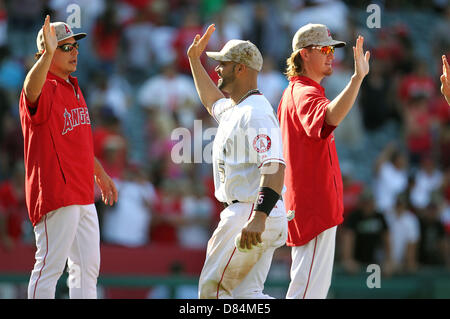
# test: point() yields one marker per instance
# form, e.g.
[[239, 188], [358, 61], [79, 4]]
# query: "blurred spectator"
[[417, 84], [11, 143], [3, 24], [432, 243], [391, 177], [110, 146], [167, 215], [365, 237], [271, 82], [171, 93], [266, 26], [13, 209], [24, 19], [128, 222], [163, 34], [418, 129], [352, 191], [376, 103], [106, 37], [112, 90], [224, 32], [444, 145], [137, 45], [428, 179], [190, 27], [405, 235], [440, 40], [12, 72], [332, 13], [197, 214], [350, 132]]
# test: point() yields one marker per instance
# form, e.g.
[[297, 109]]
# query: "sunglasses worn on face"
[[326, 49], [67, 47]]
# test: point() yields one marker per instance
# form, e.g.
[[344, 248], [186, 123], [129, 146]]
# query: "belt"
[[225, 204]]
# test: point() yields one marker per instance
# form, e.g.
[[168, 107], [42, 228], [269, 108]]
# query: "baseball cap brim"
[[334, 43], [76, 36], [217, 56]]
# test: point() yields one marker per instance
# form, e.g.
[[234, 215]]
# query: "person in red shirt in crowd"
[[417, 83], [60, 168], [167, 215], [106, 38], [314, 195], [110, 146], [191, 27], [418, 126], [13, 209]]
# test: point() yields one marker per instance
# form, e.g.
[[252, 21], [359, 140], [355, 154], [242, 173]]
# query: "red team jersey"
[[313, 177], [58, 148]]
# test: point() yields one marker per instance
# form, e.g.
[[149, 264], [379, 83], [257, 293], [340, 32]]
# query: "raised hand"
[[445, 79], [361, 59], [50, 39], [199, 44]]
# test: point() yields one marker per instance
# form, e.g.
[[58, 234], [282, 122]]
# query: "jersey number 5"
[[221, 169]]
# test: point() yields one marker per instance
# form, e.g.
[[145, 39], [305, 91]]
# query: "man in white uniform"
[[248, 170]]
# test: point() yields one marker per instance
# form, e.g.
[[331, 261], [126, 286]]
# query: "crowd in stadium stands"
[[394, 147]]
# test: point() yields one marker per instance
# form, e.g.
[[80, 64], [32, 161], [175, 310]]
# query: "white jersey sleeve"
[[219, 108]]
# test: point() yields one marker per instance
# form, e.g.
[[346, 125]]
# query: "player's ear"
[[240, 68], [304, 52]]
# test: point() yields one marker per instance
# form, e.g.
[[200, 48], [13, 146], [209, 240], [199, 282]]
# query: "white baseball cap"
[[63, 31], [239, 51]]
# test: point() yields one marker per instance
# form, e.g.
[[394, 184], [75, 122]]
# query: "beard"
[[328, 72], [225, 80]]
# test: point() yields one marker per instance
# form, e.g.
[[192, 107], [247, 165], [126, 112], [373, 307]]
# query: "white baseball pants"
[[229, 273], [312, 266], [67, 234]]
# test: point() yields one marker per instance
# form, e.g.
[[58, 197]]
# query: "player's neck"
[[241, 92], [61, 74], [313, 76]]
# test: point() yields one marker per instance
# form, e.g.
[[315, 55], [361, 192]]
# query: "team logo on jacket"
[[74, 118], [262, 143]]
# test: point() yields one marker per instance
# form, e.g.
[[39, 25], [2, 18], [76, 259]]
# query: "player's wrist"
[[260, 215], [266, 200]]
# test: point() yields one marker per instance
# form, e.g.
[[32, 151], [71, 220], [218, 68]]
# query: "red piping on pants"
[[229, 260]]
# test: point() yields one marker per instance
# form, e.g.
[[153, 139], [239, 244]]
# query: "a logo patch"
[[262, 143]]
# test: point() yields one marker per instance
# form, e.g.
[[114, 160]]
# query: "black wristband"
[[266, 200]]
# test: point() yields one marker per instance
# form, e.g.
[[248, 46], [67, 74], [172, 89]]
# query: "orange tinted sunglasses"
[[326, 49]]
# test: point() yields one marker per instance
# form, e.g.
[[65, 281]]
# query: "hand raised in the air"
[[199, 44], [361, 59], [49, 33], [445, 79]]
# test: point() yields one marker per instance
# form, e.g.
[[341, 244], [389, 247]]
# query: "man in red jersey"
[[61, 168], [314, 196]]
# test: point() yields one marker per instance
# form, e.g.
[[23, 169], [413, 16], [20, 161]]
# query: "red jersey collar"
[[72, 79], [307, 81]]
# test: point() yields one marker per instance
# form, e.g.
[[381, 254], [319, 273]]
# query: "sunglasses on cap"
[[67, 47], [325, 49]]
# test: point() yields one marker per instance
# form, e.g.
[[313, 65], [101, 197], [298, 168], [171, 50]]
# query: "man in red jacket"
[[61, 168], [314, 196]]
